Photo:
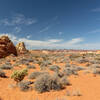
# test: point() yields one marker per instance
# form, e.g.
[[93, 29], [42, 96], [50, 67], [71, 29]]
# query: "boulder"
[[21, 49], [6, 47]]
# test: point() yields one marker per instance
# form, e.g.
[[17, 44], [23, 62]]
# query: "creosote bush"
[[19, 75]]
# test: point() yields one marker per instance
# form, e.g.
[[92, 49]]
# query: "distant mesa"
[[6, 47], [21, 49]]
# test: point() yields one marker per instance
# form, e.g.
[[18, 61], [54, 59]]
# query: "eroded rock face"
[[6, 47], [21, 49]]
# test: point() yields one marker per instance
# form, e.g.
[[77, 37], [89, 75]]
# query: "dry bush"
[[96, 71], [6, 67], [46, 83], [64, 81], [69, 71], [31, 67], [36, 74], [83, 60], [68, 65], [25, 85], [54, 68], [2, 74]]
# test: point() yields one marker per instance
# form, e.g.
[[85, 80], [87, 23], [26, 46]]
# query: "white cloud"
[[95, 31], [17, 19], [60, 33], [17, 29], [75, 40], [44, 29], [54, 40], [28, 36], [96, 10]]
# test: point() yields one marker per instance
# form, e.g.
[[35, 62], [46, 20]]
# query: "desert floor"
[[85, 83]]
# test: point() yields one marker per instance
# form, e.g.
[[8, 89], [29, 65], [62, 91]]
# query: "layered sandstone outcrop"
[[6, 47]]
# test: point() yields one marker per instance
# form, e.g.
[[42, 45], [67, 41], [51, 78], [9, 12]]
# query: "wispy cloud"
[[44, 29], [95, 31], [17, 19], [60, 33], [49, 24], [28, 36], [96, 10], [17, 29]]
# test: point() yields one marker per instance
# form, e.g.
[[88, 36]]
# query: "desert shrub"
[[65, 81], [59, 74], [44, 65], [31, 67], [76, 93], [25, 85], [41, 83], [93, 61], [19, 75], [24, 61], [6, 67], [54, 68], [55, 83], [46, 83], [7, 63], [69, 71], [2, 74], [67, 65], [79, 68], [83, 60], [34, 75], [38, 62], [30, 60], [74, 56], [95, 65], [96, 71]]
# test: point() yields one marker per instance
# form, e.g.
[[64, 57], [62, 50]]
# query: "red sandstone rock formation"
[[6, 47]]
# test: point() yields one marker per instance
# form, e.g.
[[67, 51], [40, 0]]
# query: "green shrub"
[[19, 75]]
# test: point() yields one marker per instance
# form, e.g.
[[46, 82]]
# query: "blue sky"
[[52, 24]]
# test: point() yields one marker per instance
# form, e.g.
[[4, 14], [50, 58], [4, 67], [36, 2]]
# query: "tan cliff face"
[[6, 47], [21, 49]]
